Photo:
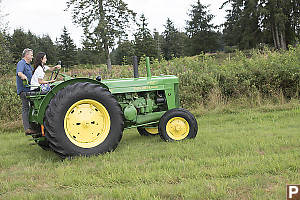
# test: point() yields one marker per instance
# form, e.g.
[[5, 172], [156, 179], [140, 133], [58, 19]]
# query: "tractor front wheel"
[[177, 124]]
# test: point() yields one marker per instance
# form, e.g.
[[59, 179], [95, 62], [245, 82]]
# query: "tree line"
[[249, 24]]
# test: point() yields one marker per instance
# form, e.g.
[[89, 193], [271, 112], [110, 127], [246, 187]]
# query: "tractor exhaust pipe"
[[135, 67], [148, 68]]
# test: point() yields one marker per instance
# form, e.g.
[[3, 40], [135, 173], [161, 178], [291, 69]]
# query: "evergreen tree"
[[242, 26], [102, 20], [158, 44], [232, 26], [173, 41], [5, 57], [124, 53], [18, 42], [200, 30], [45, 44], [33, 41], [67, 51], [144, 42], [21, 40], [89, 54], [281, 18], [296, 20], [251, 22]]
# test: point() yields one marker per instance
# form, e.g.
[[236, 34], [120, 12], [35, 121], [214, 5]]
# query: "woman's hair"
[[38, 60]]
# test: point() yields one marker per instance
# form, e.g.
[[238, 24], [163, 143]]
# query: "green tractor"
[[84, 117]]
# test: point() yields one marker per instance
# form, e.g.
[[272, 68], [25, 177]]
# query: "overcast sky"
[[48, 16]]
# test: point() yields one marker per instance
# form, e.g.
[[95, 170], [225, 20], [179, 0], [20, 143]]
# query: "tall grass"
[[9, 101], [263, 75], [254, 77], [248, 79]]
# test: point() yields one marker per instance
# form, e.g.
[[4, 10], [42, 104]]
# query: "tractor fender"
[[56, 89]]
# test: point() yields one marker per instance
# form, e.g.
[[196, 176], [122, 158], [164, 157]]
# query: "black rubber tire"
[[177, 112], [143, 132], [44, 145], [58, 107]]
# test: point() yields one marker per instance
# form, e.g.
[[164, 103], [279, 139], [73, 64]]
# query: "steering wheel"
[[55, 72]]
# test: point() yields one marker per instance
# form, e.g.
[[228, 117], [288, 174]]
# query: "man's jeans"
[[25, 110]]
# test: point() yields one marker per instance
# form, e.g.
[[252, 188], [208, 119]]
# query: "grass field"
[[248, 154]]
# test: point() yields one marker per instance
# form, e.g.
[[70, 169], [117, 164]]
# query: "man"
[[24, 72]]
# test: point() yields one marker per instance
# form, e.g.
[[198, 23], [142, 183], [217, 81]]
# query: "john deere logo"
[[293, 192]]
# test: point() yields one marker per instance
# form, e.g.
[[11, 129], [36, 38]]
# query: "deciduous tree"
[[103, 21]]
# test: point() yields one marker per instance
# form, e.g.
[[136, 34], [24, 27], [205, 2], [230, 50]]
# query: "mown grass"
[[248, 154]]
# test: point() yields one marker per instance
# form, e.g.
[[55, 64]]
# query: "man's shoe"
[[30, 132]]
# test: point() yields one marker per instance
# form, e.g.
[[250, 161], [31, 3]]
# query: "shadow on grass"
[[19, 147], [36, 153]]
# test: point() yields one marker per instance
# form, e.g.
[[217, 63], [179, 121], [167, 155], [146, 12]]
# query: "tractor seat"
[[35, 92]]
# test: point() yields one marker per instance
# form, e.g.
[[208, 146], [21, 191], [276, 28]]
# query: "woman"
[[40, 68]]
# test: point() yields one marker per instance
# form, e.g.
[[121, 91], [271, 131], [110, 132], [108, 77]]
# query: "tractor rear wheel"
[[43, 144], [148, 131], [83, 119], [177, 124]]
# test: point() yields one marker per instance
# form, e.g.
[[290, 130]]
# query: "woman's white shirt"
[[39, 73]]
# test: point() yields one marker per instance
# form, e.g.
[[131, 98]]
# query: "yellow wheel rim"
[[177, 128], [87, 123], [152, 131]]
